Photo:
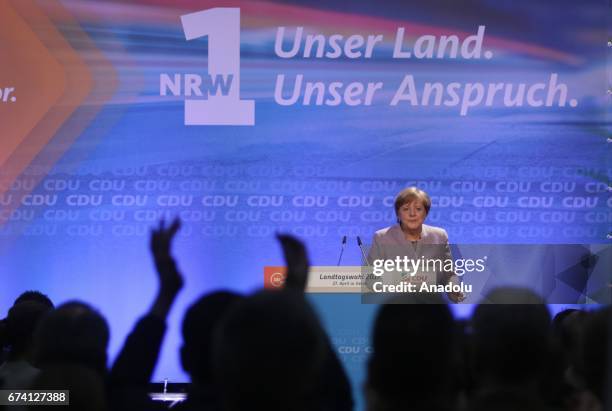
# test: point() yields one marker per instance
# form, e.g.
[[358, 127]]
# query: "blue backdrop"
[[525, 165]]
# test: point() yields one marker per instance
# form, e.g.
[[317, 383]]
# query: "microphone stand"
[[363, 255], [342, 249]]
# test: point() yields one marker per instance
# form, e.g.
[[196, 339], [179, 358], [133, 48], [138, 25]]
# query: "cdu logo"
[[214, 98]]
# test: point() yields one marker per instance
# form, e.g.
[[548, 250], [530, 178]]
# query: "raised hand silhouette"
[[296, 259], [170, 279], [135, 363]]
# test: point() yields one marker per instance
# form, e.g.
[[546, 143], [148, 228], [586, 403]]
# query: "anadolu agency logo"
[[213, 98]]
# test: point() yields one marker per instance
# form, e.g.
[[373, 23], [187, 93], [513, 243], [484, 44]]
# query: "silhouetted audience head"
[[269, 352], [559, 318], [199, 325], [414, 357], [567, 330], [74, 333], [21, 323], [34, 296], [511, 337], [86, 387], [26, 296]]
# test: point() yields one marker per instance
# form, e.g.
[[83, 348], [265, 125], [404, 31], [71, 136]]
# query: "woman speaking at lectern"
[[413, 239]]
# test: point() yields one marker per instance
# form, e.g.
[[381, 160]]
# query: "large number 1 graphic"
[[222, 26]]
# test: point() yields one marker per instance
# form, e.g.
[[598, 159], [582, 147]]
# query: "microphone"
[[342, 249], [363, 255]]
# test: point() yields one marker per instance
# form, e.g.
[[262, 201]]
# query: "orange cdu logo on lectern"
[[274, 277]]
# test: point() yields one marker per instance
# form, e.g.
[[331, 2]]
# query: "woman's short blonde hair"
[[408, 195]]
